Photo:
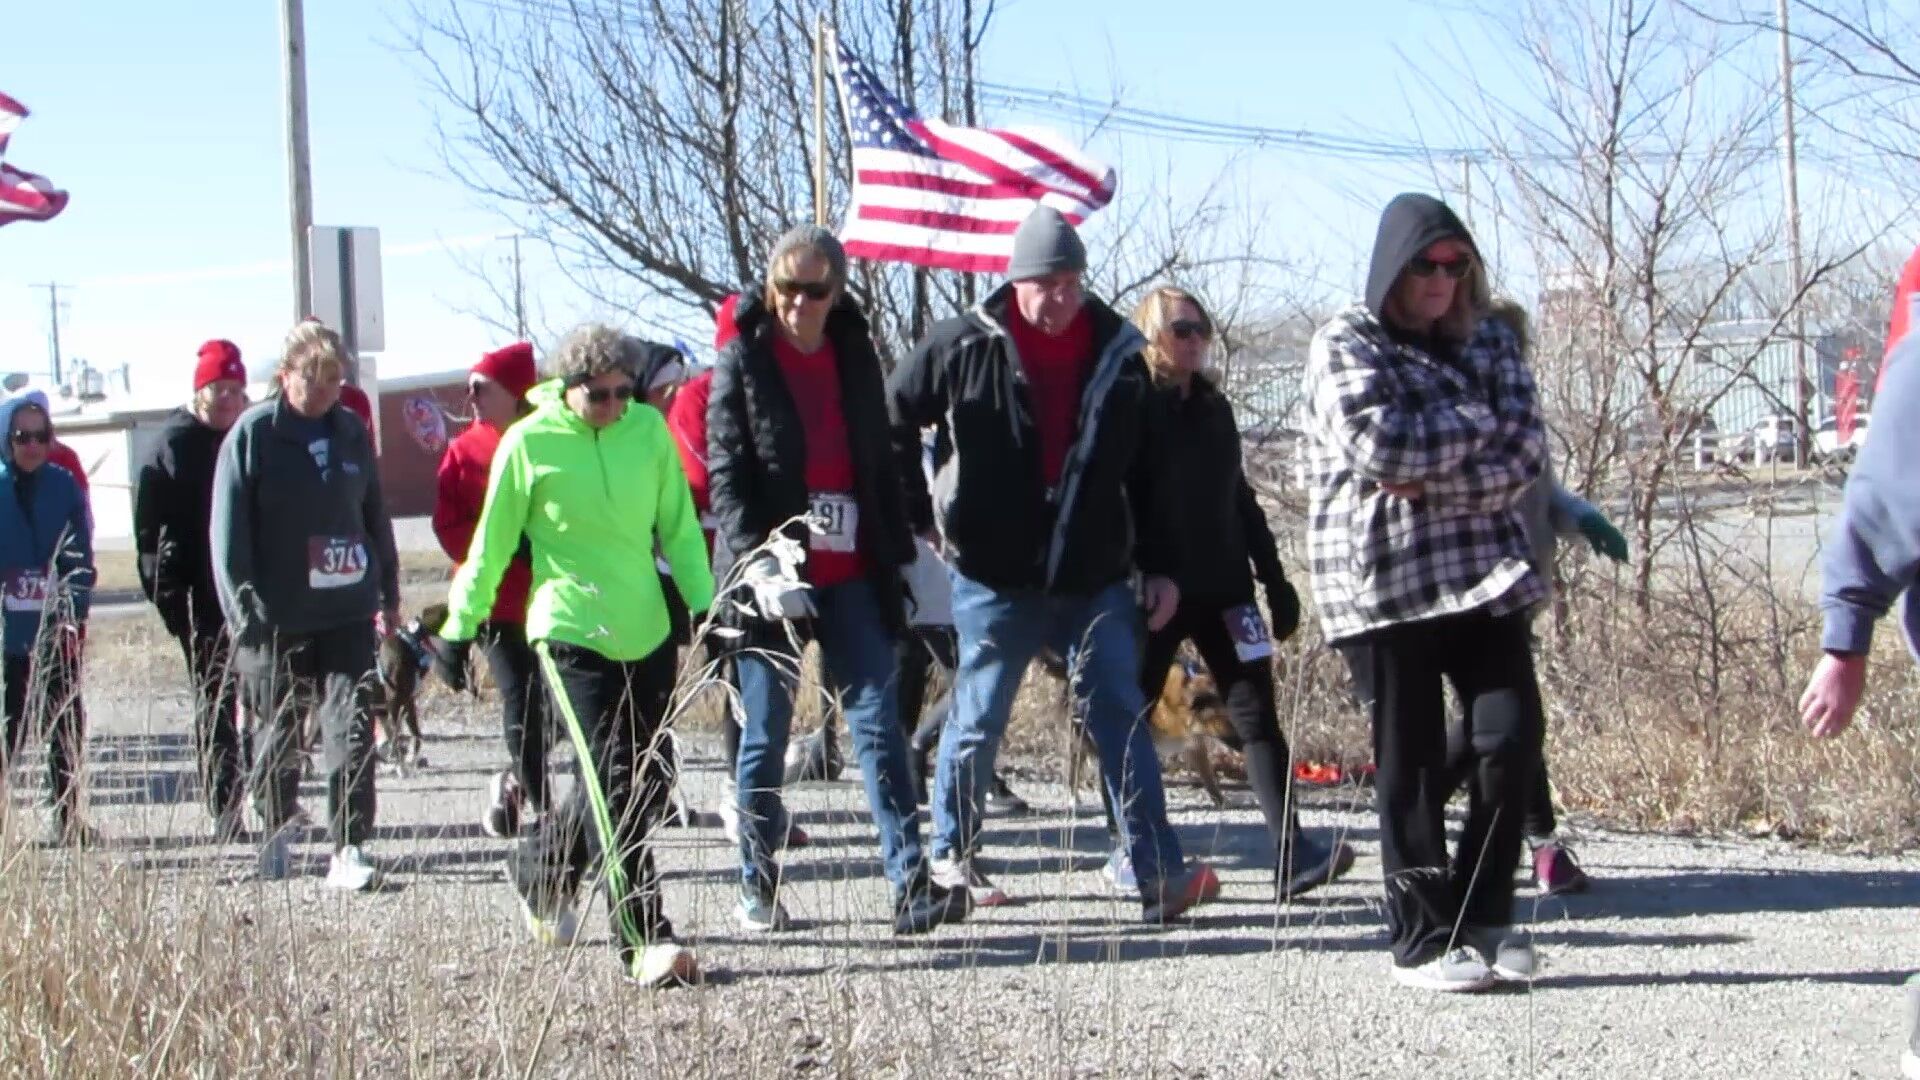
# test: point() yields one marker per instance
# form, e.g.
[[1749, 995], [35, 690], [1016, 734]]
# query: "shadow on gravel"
[[1739, 892], [1021, 950], [1722, 978], [1606, 939], [145, 747]]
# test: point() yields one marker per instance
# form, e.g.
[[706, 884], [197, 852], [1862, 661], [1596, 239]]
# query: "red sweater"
[[814, 381], [1056, 368], [687, 419], [462, 490], [62, 455]]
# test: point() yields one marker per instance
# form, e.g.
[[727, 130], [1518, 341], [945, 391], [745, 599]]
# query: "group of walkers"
[[1040, 474]]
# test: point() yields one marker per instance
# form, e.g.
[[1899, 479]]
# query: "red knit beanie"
[[219, 359], [724, 329], [511, 367]]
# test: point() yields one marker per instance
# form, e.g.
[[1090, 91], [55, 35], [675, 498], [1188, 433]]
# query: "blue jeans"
[[1100, 637], [860, 668]]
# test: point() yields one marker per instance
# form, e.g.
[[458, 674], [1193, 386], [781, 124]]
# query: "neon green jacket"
[[591, 504]]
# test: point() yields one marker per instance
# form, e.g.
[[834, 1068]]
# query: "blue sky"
[[163, 120]]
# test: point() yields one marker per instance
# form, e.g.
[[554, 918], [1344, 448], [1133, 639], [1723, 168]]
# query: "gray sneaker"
[[1910, 1057], [1509, 955], [760, 911], [1455, 972]]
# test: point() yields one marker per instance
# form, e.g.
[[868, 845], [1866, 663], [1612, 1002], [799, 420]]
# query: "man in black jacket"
[[1048, 504], [172, 507]]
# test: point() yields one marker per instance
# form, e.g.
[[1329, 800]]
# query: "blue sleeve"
[[1874, 552]]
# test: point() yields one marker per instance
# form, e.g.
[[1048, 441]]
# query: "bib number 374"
[[335, 562], [837, 521], [24, 590], [1250, 638]]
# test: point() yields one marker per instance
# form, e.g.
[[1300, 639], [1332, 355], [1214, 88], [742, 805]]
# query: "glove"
[[1605, 539], [778, 592], [450, 661], [1283, 607]]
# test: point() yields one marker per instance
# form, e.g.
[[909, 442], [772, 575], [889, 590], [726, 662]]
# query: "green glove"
[[1605, 539]]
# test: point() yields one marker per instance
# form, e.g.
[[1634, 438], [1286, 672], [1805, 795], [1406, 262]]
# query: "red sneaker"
[[1556, 873], [1194, 886]]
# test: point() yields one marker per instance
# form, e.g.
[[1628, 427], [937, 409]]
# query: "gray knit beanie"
[[814, 238], [1046, 243]]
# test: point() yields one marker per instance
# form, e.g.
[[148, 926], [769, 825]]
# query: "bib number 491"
[[836, 521]]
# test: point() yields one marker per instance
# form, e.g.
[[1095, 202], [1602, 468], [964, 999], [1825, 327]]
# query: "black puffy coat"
[[757, 447], [172, 506]]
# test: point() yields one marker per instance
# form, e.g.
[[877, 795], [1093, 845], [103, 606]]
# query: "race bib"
[[837, 517], [26, 590], [335, 562], [1249, 632]]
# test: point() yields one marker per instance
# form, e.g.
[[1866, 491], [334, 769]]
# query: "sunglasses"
[[814, 290], [600, 395], [1187, 329], [475, 388], [1421, 266], [22, 438]]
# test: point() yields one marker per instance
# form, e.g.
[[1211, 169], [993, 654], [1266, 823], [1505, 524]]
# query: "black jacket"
[[1002, 527], [172, 505], [757, 447], [1225, 541]]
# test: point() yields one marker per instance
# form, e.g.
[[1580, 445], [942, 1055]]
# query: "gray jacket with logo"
[[297, 549]]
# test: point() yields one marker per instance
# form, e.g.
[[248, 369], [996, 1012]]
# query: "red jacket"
[[687, 419], [62, 455], [461, 491]]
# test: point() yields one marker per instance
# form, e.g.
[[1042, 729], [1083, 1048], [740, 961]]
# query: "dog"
[[401, 664], [1187, 722]]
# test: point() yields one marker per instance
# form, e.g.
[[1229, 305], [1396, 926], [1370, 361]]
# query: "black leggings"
[[43, 693], [613, 712], [1488, 661], [1246, 689], [218, 747], [523, 701]]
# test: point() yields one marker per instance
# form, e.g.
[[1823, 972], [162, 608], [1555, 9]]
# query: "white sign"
[[345, 272]]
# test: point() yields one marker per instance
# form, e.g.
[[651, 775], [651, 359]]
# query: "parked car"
[[1826, 440], [1770, 440]]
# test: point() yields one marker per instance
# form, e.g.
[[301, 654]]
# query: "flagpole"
[[820, 120]]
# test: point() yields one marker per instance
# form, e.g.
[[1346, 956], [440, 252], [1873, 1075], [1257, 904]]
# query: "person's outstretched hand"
[[1833, 694], [1605, 538], [450, 661], [1163, 599]]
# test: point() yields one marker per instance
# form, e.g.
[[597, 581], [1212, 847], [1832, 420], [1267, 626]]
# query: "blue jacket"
[[1874, 553], [43, 532]]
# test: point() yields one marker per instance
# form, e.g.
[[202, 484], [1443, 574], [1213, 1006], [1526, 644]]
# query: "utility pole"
[[1791, 165], [293, 72], [1466, 188], [53, 324], [519, 294]]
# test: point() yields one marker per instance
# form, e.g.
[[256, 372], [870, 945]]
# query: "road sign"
[[346, 285]]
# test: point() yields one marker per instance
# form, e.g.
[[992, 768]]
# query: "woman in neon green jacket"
[[591, 483]]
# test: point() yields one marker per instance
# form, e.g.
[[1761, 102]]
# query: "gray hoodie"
[[1874, 552], [298, 548]]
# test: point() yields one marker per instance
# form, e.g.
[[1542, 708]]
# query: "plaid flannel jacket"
[[1469, 431]]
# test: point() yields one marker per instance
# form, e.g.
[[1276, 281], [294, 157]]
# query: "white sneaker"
[[665, 963], [1455, 972], [504, 801], [950, 873], [1507, 954], [1910, 1065], [730, 820], [276, 855], [555, 931], [352, 870]]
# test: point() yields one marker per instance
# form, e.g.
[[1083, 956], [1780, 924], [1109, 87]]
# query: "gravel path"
[[1691, 959]]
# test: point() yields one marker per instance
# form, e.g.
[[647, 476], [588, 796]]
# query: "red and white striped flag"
[[24, 196], [929, 193]]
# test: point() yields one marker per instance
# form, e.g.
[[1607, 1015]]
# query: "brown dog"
[[1187, 721], [401, 667]]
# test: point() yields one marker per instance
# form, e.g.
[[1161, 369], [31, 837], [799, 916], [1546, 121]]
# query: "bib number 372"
[[1249, 631], [335, 562], [836, 522]]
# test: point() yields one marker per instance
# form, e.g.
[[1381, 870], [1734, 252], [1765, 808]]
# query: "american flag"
[[24, 196], [929, 193]]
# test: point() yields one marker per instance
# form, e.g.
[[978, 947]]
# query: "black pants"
[[523, 704], [217, 745], [330, 672], [1247, 691], [1538, 818], [43, 694], [1490, 665], [613, 712]]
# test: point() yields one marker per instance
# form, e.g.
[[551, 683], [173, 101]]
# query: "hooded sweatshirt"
[[46, 545], [1874, 554], [1462, 420], [592, 503]]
